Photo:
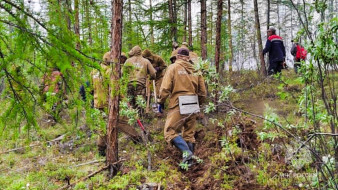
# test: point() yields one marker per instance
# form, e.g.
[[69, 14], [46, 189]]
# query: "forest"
[[267, 73]]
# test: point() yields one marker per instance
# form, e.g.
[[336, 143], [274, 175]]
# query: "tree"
[[189, 24], [259, 39], [151, 22], [113, 107], [173, 18], [203, 29], [230, 37], [218, 33], [77, 23], [268, 15]]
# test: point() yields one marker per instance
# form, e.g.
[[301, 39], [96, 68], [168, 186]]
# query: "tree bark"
[[278, 18], [230, 37], [90, 38], [259, 39], [113, 107], [151, 23], [189, 24], [77, 23], [69, 8], [210, 32], [268, 16], [130, 45], [203, 29], [218, 33], [185, 21], [173, 20]]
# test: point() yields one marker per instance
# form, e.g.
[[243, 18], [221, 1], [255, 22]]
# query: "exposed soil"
[[201, 176]]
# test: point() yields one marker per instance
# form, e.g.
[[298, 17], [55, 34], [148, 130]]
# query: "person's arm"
[[151, 70], [267, 47], [161, 64], [166, 86]]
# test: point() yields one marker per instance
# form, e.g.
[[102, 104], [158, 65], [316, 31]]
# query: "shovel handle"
[[141, 125]]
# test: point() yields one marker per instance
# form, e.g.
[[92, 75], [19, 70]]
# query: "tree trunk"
[[230, 37], [185, 21], [151, 24], [90, 38], [203, 29], [69, 8], [259, 39], [173, 20], [218, 33], [189, 24], [130, 45], [113, 107], [77, 23], [278, 18], [210, 33], [268, 16]]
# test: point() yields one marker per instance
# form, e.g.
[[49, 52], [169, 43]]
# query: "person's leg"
[[296, 67], [172, 128], [189, 132], [141, 91], [279, 67], [272, 68], [189, 129], [173, 124]]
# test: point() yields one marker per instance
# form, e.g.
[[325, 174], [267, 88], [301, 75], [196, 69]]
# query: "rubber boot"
[[191, 146], [180, 143]]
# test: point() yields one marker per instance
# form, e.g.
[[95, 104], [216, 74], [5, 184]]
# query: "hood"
[[187, 65], [106, 57], [123, 55], [135, 51], [147, 54], [275, 37]]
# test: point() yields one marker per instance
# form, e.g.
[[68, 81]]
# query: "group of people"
[[179, 82], [276, 49]]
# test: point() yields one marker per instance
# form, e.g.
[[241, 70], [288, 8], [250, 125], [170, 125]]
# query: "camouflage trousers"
[[133, 92]]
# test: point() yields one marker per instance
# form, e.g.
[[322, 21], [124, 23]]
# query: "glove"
[[160, 108], [157, 69]]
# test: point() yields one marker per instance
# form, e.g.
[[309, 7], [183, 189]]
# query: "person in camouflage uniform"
[[101, 82], [159, 65], [140, 68]]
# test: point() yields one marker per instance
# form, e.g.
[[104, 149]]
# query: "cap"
[[183, 51]]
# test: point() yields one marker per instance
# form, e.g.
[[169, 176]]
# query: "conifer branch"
[[26, 13]]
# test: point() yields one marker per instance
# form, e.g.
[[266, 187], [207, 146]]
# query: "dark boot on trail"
[[180, 143], [191, 146]]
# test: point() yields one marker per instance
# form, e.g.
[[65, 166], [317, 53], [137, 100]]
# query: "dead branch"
[[91, 162], [30, 146]]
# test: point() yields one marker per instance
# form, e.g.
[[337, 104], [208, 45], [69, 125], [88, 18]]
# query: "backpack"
[[301, 53]]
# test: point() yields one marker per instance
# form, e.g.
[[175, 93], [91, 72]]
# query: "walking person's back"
[[275, 46]]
